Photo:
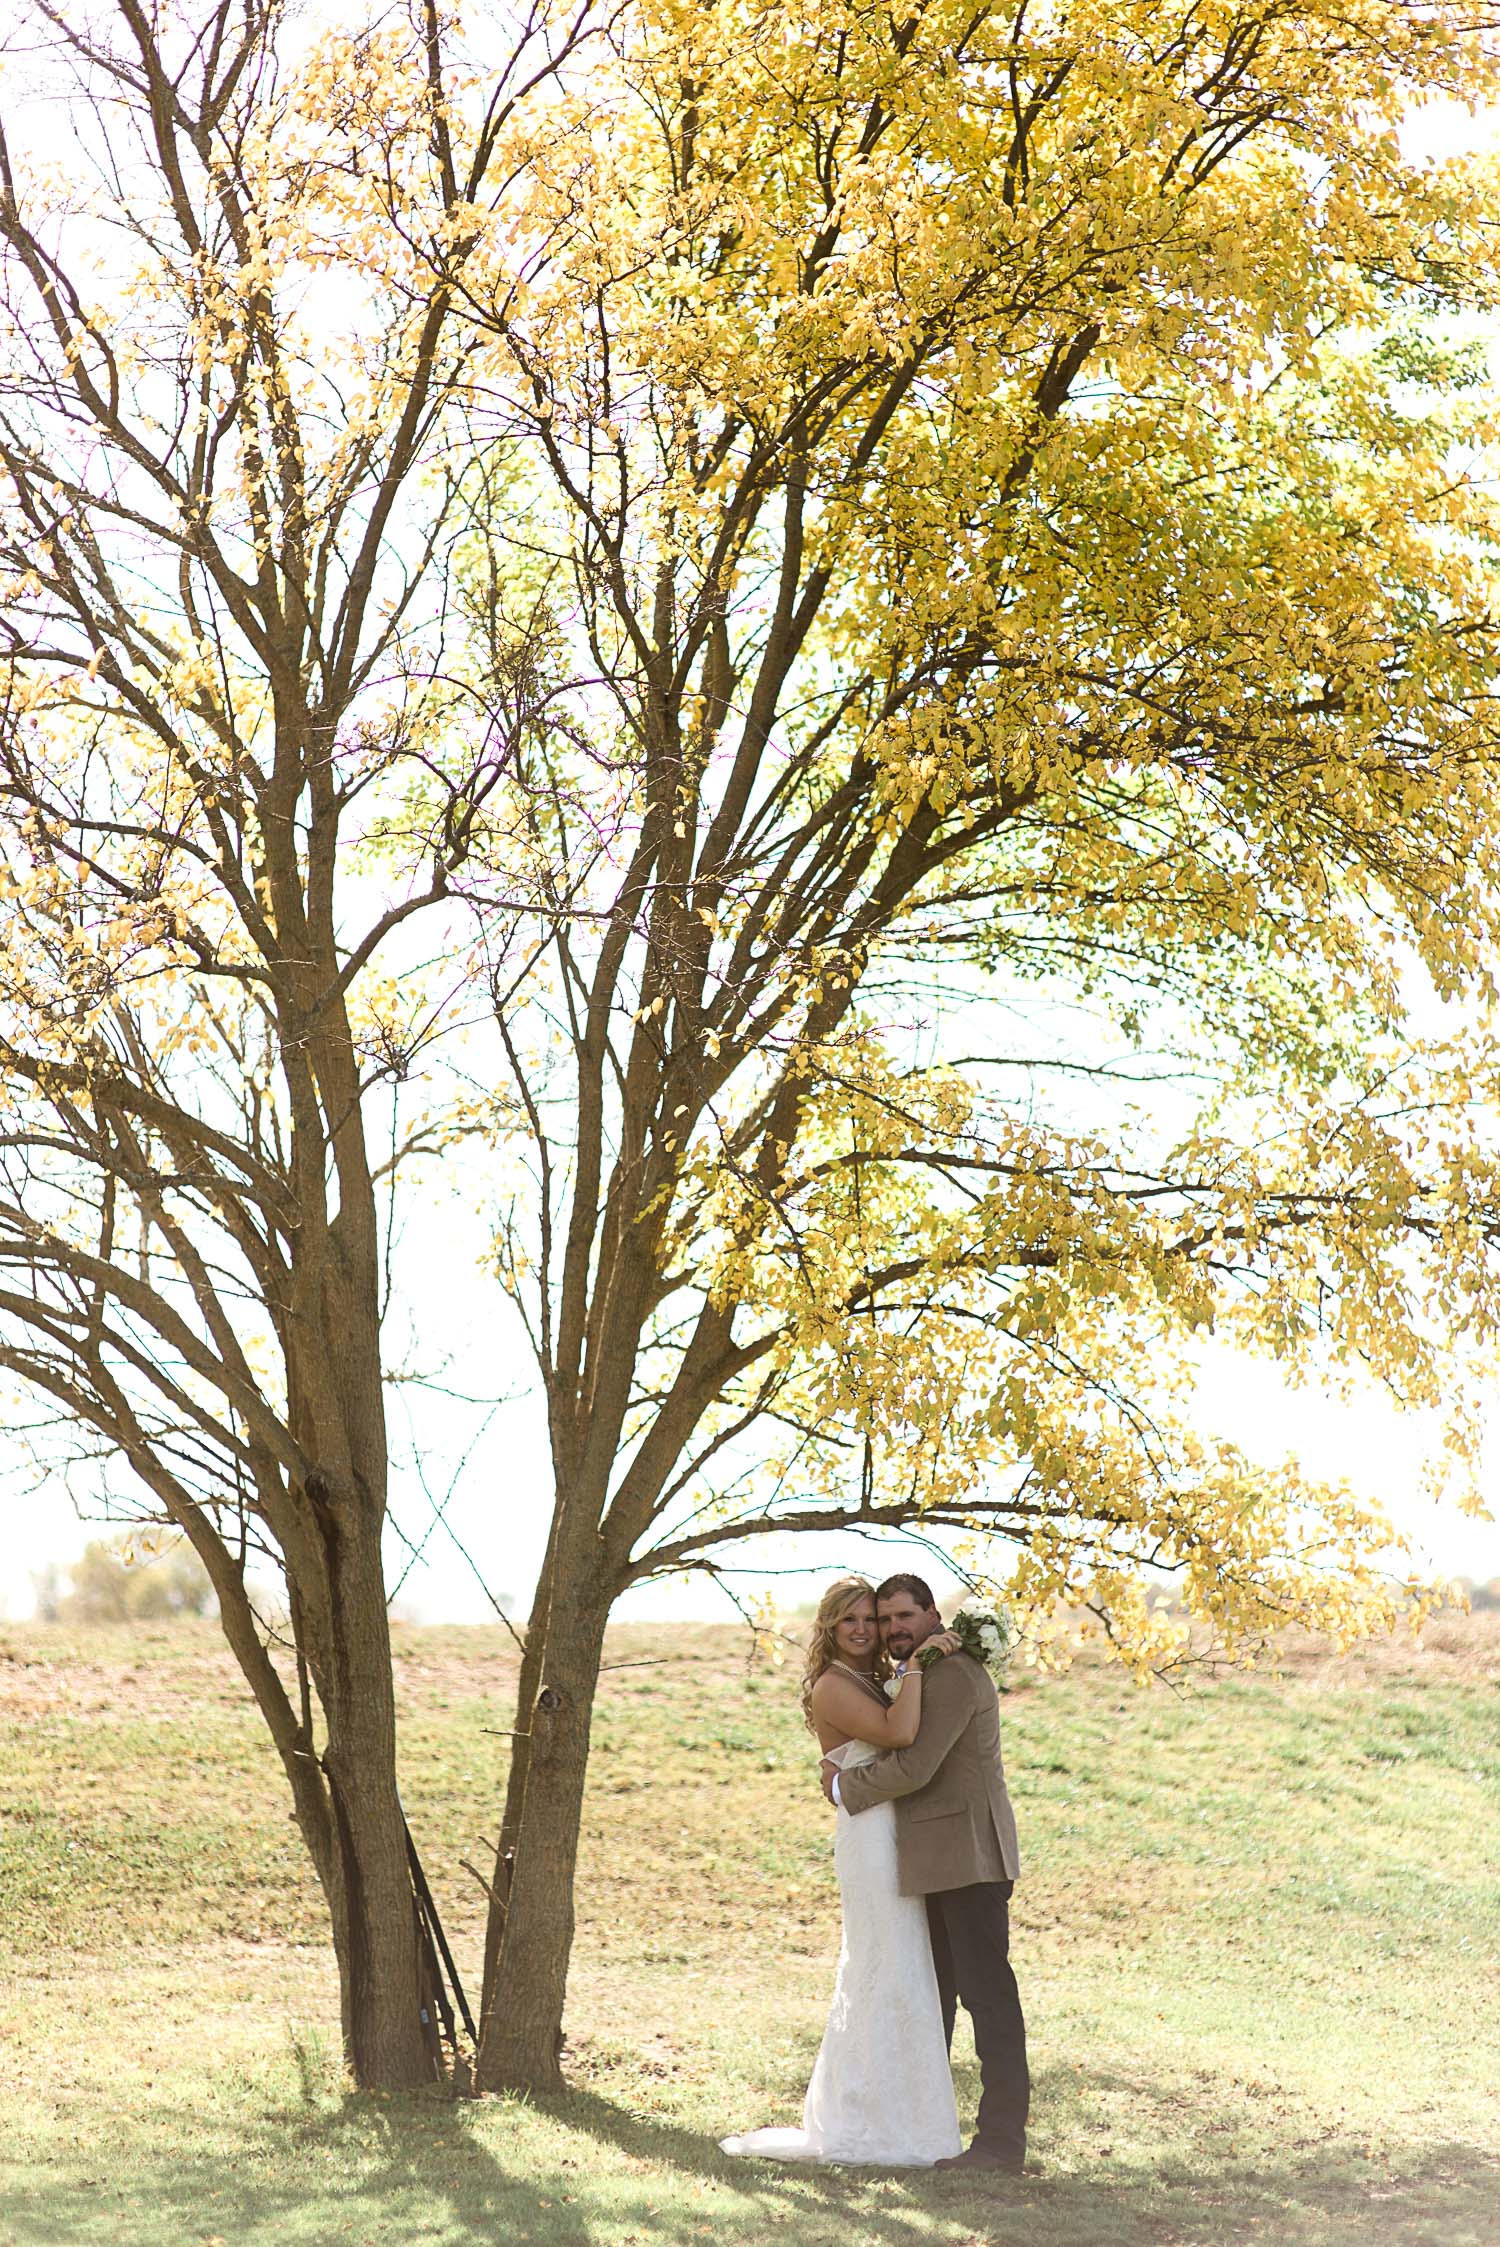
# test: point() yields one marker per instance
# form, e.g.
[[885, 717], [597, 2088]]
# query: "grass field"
[[1256, 1939]]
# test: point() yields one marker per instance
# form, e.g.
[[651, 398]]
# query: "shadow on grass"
[[1333, 2196], [583, 2171]]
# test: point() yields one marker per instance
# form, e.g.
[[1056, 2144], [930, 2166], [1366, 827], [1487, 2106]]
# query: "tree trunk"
[[522, 2033], [374, 1920], [532, 1658]]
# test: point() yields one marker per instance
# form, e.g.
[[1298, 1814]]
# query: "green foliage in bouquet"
[[984, 1632]]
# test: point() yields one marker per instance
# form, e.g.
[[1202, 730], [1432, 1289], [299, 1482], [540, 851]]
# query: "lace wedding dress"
[[881, 2091]]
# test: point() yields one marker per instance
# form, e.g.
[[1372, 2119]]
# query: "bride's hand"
[[943, 1642]]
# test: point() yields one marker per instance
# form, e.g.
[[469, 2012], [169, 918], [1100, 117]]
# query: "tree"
[[229, 383], [1009, 517], [780, 534], [130, 1579]]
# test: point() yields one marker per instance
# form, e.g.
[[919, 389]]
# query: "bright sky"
[[487, 1461]]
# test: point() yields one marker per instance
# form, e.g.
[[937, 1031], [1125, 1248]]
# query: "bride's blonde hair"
[[823, 1646]]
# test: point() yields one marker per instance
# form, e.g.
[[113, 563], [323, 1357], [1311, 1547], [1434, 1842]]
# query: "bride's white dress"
[[882, 2090]]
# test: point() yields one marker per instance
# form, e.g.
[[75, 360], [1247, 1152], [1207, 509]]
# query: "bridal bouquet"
[[984, 1633]]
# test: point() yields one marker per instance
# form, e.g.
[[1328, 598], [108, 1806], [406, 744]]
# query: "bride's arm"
[[951, 1706], [839, 1705]]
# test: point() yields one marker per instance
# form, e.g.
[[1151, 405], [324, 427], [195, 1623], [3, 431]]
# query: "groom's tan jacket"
[[954, 1824]]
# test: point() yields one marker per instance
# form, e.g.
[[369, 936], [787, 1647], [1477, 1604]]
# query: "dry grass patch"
[[1252, 1936]]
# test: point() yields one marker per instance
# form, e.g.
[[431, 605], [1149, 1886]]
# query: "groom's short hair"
[[913, 1586]]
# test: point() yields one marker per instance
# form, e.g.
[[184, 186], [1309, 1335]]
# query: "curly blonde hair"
[[823, 1646]]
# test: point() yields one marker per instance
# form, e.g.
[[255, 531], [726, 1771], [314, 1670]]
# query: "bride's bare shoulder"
[[829, 1705], [831, 1691]]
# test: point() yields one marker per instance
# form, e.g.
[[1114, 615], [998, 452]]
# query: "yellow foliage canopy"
[[1009, 496]]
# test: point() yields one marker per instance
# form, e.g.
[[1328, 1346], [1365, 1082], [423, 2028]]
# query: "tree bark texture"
[[374, 1926], [521, 2035], [532, 1657]]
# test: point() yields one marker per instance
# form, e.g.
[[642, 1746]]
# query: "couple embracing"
[[925, 1850]]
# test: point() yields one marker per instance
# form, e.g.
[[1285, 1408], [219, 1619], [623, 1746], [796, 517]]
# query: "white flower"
[[891, 1688]]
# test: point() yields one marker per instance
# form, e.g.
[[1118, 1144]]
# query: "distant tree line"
[[129, 1578]]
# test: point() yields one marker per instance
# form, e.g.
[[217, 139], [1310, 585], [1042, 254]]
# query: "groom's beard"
[[901, 1643]]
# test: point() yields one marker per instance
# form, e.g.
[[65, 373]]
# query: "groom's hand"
[[826, 1770]]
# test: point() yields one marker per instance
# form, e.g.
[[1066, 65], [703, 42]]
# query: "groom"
[[956, 1847]]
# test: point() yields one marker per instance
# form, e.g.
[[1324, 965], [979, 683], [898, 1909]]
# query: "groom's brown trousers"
[[970, 1929]]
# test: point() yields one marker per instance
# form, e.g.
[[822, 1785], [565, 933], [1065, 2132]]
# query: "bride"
[[881, 2091]]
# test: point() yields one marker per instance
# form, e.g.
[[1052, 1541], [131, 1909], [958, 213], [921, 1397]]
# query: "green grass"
[[1256, 1941]]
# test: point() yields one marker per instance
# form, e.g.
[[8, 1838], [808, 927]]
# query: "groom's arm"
[[947, 1706]]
